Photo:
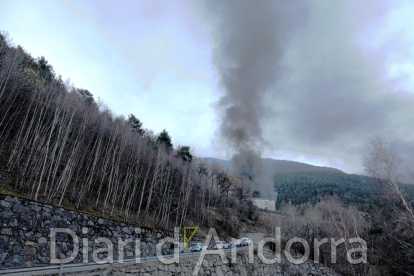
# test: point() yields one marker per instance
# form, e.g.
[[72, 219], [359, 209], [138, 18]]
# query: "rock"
[[17, 249], [4, 246], [5, 238], [75, 228], [64, 247], [17, 262], [6, 213], [14, 223], [30, 250], [6, 231], [17, 200], [64, 223], [17, 208], [101, 221], [219, 271], [44, 260], [126, 230], [38, 225], [90, 223], [18, 233], [29, 243], [42, 240], [36, 208], [5, 203], [205, 263], [46, 216], [2, 257], [171, 267], [73, 215], [61, 211]]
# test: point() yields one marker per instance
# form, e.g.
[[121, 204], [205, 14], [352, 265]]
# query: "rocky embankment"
[[213, 265], [25, 234]]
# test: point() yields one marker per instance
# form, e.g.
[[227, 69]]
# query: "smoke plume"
[[250, 40]]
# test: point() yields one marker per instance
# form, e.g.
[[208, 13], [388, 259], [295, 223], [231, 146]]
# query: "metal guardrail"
[[81, 267]]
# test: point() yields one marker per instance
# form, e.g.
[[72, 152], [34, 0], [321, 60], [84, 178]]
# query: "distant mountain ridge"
[[279, 166]]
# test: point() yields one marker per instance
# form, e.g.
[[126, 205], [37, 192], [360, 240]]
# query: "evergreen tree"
[[184, 153], [136, 124], [85, 95], [45, 70], [165, 138]]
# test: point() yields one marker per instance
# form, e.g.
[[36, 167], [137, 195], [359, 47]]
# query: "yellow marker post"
[[185, 234]]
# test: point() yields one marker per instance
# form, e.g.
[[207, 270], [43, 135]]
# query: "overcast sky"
[[346, 72]]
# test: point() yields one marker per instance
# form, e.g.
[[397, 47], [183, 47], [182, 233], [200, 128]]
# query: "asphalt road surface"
[[81, 267]]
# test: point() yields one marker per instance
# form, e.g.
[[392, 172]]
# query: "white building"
[[265, 204]]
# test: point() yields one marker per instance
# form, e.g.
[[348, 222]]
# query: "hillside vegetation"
[[311, 187], [58, 145], [274, 166], [339, 205]]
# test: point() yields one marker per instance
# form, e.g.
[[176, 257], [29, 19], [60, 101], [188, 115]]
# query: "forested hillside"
[[310, 187], [274, 166], [60, 146]]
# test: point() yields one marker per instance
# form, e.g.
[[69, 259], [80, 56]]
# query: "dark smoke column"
[[250, 37]]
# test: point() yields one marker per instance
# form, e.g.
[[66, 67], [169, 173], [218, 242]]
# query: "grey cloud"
[[318, 68], [338, 90]]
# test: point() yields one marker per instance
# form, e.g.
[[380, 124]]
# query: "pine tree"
[[136, 124], [85, 95], [184, 153], [165, 138], [45, 69]]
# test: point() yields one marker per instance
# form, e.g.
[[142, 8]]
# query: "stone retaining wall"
[[212, 265], [25, 228]]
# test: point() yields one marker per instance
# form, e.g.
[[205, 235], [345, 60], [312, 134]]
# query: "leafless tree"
[[382, 161], [67, 149]]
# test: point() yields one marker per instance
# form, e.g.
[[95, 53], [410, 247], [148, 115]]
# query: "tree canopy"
[[165, 139], [136, 124], [185, 154]]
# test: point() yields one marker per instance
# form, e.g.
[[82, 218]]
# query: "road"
[[81, 267]]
